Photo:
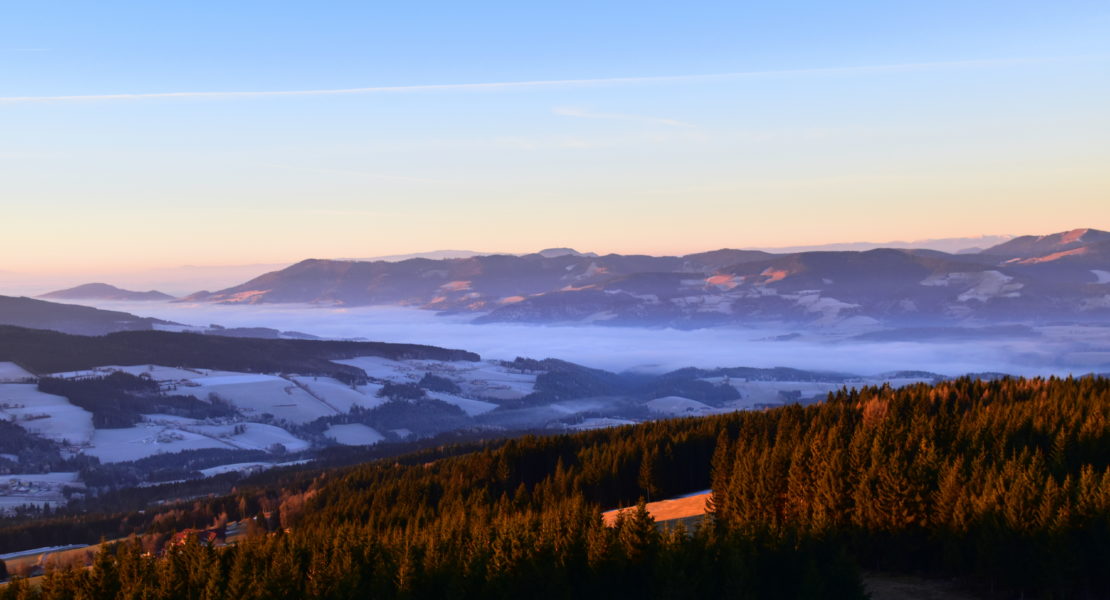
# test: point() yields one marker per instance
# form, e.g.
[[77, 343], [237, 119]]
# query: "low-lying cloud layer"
[[1052, 351]]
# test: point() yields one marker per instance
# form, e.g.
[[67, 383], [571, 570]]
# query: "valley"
[[114, 425]]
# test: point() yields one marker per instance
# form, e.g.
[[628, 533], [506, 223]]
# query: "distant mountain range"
[[103, 291], [1059, 277]]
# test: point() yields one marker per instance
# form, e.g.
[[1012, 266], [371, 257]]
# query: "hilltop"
[[103, 291]]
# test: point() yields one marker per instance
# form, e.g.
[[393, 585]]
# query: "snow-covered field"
[[339, 395], [256, 436], [133, 443], [377, 367], [677, 406], [10, 371], [52, 417], [485, 379], [301, 399], [19, 489], [60, 478], [148, 439], [491, 380], [247, 467], [255, 395], [354, 434]]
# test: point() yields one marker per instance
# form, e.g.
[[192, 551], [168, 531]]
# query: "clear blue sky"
[[634, 127]]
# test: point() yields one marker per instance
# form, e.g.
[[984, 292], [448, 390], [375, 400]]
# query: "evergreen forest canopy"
[[1004, 484]]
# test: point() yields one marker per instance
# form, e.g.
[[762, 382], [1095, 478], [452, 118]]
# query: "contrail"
[[513, 85]]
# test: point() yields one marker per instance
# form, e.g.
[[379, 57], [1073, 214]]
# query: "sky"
[[137, 135]]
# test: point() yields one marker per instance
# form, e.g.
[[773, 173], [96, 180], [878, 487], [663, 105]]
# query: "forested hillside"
[[47, 351], [1003, 484]]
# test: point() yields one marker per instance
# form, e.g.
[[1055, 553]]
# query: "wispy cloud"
[[546, 83], [354, 172], [570, 111]]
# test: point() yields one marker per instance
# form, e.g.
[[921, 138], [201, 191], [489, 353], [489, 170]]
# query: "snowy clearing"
[[46, 415], [133, 443], [600, 423], [10, 371], [255, 395], [255, 436], [387, 369], [991, 284], [247, 467], [340, 395], [484, 379], [354, 434], [59, 478], [678, 406]]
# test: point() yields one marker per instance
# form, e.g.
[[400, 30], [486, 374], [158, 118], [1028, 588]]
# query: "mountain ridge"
[[1054, 277]]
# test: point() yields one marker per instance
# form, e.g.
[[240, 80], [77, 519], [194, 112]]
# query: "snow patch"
[[254, 436], [235, 379], [378, 367], [141, 441], [600, 423], [828, 308], [47, 415], [678, 406], [984, 285], [354, 434], [255, 395], [991, 284], [339, 395], [250, 467], [705, 303], [10, 371]]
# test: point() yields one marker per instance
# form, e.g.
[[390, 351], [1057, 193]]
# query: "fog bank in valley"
[[1075, 350]]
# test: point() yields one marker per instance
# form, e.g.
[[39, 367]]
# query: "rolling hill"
[[70, 318]]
